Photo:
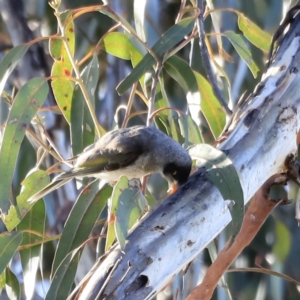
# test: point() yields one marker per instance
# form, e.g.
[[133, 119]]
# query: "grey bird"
[[134, 152]]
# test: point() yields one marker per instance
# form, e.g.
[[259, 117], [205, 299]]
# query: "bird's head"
[[176, 174]]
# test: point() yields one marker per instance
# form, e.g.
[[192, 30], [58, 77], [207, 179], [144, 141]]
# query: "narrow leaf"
[[255, 35], [81, 220], [82, 125], [242, 49], [26, 103], [32, 184], [210, 106], [128, 210], [223, 174], [180, 71], [63, 87], [64, 277], [30, 257], [9, 243], [12, 286], [9, 62], [169, 39], [121, 185]]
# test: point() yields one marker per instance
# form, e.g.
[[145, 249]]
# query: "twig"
[[155, 81], [206, 59]]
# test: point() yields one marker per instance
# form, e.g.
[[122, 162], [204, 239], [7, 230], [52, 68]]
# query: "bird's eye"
[[174, 173]]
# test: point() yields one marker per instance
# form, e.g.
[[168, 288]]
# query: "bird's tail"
[[55, 184]]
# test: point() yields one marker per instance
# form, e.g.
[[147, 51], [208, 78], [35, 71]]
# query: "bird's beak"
[[173, 188]]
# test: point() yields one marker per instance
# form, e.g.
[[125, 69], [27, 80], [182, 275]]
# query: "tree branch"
[[262, 133]]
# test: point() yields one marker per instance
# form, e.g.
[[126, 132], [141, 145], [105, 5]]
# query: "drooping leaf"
[[12, 285], [25, 105], [223, 175], [81, 220], [121, 185], [30, 257], [169, 39], [210, 106], [82, 125], [128, 210], [190, 131], [9, 243], [31, 184], [282, 245], [180, 71], [62, 67], [242, 49], [255, 35], [63, 278], [9, 62]]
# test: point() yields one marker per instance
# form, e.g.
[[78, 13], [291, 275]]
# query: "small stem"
[[155, 81], [77, 73], [206, 59], [129, 105]]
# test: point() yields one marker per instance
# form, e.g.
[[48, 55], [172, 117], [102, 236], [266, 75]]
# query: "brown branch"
[[259, 209]]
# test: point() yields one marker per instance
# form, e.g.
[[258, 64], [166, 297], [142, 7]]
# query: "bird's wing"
[[108, 155]]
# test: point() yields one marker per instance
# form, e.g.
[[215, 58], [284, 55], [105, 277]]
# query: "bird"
[[134, 152]]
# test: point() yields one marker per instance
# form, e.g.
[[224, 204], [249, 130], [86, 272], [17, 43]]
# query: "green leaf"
[[13, 289], [25, 105], [165, 116], [190, 131], [255, 35], [63, 87], [82, 125], [118, 44], [9, 62], [210, 106], [113, 202], [127, 210], [242, 49], [2, 281], [223, 174], [9, 243], [30, 257], [81, 221], [169, 39], [282, 247], [180, 71], [64, 276], [32, 184]]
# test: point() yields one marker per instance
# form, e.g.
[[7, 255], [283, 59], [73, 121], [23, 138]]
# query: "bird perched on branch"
[[134, 152]]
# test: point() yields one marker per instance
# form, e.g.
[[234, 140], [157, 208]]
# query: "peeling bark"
[[261, 134]]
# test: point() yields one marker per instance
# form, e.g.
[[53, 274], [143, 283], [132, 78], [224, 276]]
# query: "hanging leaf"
[[9, 243], [25, 105], [223, 175], [255, 35], [34, 221], [242, 49], [81, 221], [210, 106], [169, 39], [31, 184], [9, 62], [63, 87], [12, 285]]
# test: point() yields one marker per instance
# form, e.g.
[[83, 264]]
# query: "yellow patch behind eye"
[[174, 173]]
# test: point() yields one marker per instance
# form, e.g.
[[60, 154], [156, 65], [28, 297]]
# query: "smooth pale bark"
[[261, 135]]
